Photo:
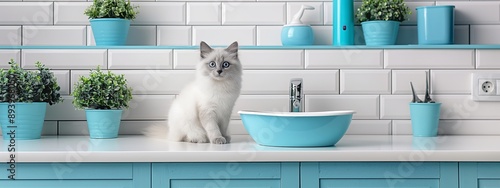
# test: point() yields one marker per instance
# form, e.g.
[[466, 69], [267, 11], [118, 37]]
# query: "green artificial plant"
[[111, 9], [383, 10], [101, 90], [19, 85]]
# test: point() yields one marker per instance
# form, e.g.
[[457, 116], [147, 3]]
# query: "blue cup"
[[425, 119], [435, 24], [103, 123]]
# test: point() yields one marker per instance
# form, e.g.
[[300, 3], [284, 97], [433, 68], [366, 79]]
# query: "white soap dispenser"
[[297, 33]]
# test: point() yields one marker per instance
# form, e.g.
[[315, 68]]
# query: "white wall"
[[374, 82]]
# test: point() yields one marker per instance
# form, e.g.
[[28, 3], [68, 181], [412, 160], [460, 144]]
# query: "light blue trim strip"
[[318, 47]]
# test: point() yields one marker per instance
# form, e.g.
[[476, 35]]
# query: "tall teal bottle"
[[343, 22]]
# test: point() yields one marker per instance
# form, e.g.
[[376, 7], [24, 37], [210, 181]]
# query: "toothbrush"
[[427, 97], [415, 97]]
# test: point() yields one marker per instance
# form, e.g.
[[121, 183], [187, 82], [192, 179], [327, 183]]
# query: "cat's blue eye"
[[211, 64], [226, 64]]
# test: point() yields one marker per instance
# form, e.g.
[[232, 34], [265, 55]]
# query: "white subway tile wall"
[[373, 82], [438, 59], [366, 106], [26, 13], [204, 13], [224, 35], [63, 78], [160, 13], [484, 34], [253, 13], [401, 81], [11, 35], [487, 59], [173, 35], [65, 58], [70, 13], [270, 35], [7, 55], [139, 59], [365, 81], [377, 127], [47, 35]]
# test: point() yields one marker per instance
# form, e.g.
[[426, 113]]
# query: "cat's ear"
[[233, 48], [205, 49]]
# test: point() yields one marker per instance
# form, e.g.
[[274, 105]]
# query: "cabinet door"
[[228, 175], [479, 175], [64, 175], [379, 174]]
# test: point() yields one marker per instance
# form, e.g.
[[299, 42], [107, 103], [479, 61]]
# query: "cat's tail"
[[159, 131]]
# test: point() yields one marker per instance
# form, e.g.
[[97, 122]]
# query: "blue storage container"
[[343, 22], [435, 24]]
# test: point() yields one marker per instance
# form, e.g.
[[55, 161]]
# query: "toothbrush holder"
[[425, 119]]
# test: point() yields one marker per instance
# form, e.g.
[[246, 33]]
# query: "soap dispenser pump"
[[297, 33]]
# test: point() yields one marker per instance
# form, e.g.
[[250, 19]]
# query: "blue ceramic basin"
[[296, 129]]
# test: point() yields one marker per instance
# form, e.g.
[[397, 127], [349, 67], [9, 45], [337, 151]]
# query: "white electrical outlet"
[[485, 87]]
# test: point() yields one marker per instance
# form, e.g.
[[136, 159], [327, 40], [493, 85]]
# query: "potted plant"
[[103, 95], [110, 21], [380, 20], [24, 96]]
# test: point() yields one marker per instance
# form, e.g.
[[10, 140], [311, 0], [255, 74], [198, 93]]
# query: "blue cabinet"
[[229, 175], [479, 175], [254, 175], [64, 175], [379, 174]]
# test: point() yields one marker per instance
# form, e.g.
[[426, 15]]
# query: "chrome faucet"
[[296, 95]]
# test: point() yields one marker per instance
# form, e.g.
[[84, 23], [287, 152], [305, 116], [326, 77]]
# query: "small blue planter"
[[28, 120], [103, 123], [380, 32], [435, 24], [425, 119], [110, 31]]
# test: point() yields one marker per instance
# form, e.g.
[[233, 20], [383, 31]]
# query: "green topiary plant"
[[384, 10], [102, 90], [28, 86], [111, 9]]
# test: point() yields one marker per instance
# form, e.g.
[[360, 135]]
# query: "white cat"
[[202, 110]]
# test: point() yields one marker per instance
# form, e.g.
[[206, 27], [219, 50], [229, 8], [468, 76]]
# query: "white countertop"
[[244, 149]]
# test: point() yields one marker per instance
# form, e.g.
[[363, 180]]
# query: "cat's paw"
[[198, 140], [220, 140], [228, 138]]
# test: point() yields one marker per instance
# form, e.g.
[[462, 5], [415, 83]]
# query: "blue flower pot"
[[28, 120], [103, 123], [380, 32], [425, 119], [110, 31]]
